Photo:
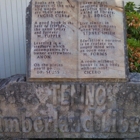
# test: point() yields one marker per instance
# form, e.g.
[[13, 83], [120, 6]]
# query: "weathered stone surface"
[[101, 39], [60, 110], [134, 77], [75, 40], [12, 79], [53, 51]]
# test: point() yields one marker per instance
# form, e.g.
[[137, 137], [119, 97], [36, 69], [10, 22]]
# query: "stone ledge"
[[12, 79], [133, 77]]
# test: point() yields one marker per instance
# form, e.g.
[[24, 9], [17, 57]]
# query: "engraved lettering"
[[26, 124], [54, 89], [11, 125], [65, 95], [100, 95], [90, 95], [123, 123], [38, 125], [63, 124]]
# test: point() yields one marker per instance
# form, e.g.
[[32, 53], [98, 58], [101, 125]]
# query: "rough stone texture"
[[80, 62], [12, 79], [69, 109], [134, 77]]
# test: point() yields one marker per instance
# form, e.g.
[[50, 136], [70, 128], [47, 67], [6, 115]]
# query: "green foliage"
[[130, 7], [133, 35], [133, 42], [133, 25], [134, 54], [133, 20]]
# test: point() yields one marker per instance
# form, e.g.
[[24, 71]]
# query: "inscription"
[[52, 22], [95, 9], [76, 40], [62, 109], [103, 125], [11, 125], [99, 39]]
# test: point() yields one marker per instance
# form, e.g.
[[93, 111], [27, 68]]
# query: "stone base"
[[69, 110]]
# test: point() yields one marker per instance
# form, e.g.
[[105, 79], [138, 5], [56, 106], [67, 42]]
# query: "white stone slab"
[[101, 39], [77, 39], [54, 39]]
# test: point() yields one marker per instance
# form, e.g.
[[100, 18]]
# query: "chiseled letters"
[[100, 95], [11, 124], [38, 125], [26, 124], [90, 93]]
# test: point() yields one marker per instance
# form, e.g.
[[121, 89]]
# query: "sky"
[[137, 2]]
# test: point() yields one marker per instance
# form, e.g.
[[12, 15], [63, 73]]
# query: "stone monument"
[[76, 40], [77, 83]]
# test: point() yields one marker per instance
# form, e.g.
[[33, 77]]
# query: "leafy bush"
[[133, 35], [134, 54]]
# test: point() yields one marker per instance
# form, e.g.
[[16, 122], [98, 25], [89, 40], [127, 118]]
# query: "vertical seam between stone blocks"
[[78, 61], [125, 44]]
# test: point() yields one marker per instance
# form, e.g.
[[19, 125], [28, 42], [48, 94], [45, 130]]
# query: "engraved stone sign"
[[101, 39], [75, 39], [70, 110], [72, 40]]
